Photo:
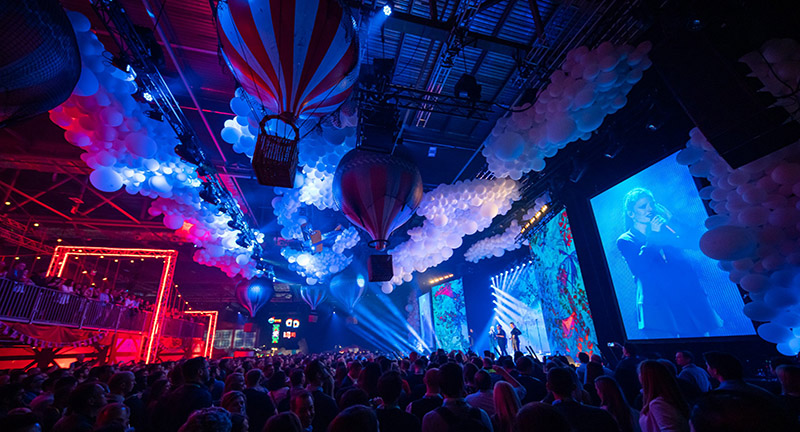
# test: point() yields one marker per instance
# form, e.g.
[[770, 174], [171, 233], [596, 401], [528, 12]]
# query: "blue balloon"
[[255, 293]]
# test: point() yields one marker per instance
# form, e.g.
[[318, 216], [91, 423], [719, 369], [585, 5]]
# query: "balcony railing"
[[38, 305]]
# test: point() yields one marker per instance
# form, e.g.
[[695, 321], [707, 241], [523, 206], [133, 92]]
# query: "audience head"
[[560, 382], [195, 370], [452, 381], [506, 401], [354, 396], [22, 422], [583, 357], [302, 404], [253, 377], [315, 373], [234, 382], [722, 411], [355, 418], [538, 416], [483, 382], [432, 381], [789, 377], [122, 383], [723, 366], [276, 381], [354, 370], [683, 358], [234, 402], [114, 414], [213, 419], [239, 423], [658, 381], [87, 399], [390, 386], [297, 378], [283, 422]]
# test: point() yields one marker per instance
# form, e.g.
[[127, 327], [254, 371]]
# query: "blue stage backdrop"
[[650, 226], [560, 289], [517, 300], [450, 316]]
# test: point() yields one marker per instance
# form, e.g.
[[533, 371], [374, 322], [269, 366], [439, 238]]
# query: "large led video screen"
[[425, 321], [560, 289], [650, 226], [450, 316]]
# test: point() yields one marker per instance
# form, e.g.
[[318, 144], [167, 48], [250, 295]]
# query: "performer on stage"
[[669, 298], [493, 339], [514, 338], [502, 342]]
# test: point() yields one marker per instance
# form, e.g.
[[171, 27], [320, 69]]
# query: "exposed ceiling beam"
[[439, 31], [37, 201], [43, 163]]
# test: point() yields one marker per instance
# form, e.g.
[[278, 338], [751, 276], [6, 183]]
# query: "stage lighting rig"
[[388, 8], [139, 51]]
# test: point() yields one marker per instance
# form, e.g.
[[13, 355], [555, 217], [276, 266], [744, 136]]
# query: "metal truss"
[[421, 100], [136, 53], [63, 253]]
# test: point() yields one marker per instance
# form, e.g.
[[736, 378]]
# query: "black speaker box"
[[380, 268]]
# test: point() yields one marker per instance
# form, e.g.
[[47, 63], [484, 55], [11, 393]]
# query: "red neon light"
[[63, 253], [212, 329]]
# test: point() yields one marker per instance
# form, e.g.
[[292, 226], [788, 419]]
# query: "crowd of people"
[[353, 392]]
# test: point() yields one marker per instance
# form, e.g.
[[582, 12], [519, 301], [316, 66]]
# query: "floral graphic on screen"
[[450, 316], [559, 286]]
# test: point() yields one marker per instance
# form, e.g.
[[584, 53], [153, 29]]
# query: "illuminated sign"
[[276, 329], [292, 323]]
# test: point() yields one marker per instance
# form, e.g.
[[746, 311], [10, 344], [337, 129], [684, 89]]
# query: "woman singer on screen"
[[670, 302]]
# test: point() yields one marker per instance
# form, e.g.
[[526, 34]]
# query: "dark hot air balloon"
[[255, 293], [377, 192]]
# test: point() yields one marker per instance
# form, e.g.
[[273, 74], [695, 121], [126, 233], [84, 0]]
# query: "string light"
[[59, 241], [36, 224], [440, 279]]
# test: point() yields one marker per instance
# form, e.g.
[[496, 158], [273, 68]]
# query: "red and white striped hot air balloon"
[[298, 57]]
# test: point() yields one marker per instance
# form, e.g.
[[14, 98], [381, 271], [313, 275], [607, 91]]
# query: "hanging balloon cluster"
[[755, 232], [451, 212], [496, 246], [297, 62], [590, 85], [125, 148]]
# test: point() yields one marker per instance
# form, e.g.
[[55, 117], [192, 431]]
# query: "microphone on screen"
[[669, 229]]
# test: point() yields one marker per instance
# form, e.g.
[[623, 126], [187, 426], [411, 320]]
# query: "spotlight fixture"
[[188, 154], [242, 241], [207, 194], [467, 86], [155, 115], [8, 202], [147, 96], [388, 8], [36, 224]]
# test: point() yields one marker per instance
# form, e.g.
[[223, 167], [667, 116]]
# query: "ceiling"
[[508, 48]]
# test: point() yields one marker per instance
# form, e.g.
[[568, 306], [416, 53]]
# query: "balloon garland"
[[755, 232], [590, 85], [125, 148], [496, 246], [451, 212]]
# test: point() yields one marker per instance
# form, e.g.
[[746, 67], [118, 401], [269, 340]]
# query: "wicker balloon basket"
[[275, 156]]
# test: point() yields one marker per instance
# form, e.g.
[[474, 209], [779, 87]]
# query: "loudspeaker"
[[312, 318], [380, 268]]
